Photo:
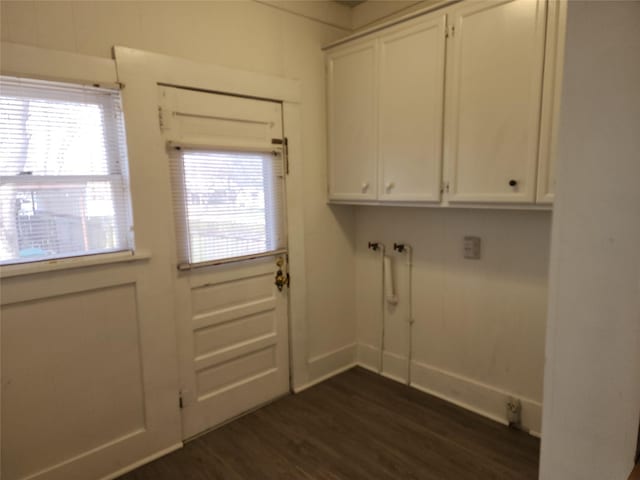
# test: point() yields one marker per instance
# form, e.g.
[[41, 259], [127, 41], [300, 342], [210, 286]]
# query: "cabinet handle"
[[513, 183], [389, 186], [365, 186]]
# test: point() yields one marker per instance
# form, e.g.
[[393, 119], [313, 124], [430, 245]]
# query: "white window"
[[228, 204], [63, 171]]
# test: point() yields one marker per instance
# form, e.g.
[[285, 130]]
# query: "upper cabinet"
[[352, 115], [410, 108], [554, 59], [457, 106], [493, 100], [385, 106]]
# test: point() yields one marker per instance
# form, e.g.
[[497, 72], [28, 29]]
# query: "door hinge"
[[444, 187], [161, 118], [449, 31], [180, 402], [285, 151], [286, 155]]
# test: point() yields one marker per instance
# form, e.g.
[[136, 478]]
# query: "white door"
[[495, 71], [411, 62], [352, 98], [227, 163]]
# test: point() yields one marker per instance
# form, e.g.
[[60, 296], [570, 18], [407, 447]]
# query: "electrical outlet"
[[472, 248]]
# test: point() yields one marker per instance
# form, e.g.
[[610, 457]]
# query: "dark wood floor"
[[354, 426]]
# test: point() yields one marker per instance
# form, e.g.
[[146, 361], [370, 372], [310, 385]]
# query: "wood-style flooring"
[[354, 426]]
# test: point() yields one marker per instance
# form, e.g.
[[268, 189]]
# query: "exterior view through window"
[[227, 204], [63, 171]]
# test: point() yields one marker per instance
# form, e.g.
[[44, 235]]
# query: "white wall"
[[592, 378], [479, 324], [97, 308], [260, 37], [370, 13]]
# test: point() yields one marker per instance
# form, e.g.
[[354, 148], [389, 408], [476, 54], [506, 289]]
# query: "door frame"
[[205, 410], [140, 72]]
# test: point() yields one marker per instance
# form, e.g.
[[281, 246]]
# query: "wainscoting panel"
[[71, 377]]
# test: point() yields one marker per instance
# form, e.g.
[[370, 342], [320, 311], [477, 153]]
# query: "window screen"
[[227, 204], [63, 171]]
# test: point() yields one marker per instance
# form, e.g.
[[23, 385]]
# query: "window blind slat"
[[227, 204], [63, 177]]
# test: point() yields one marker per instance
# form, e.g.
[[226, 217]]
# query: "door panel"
[[219, 120], [493, 110], [232, 319], [352, 122], [411, 116], [235, 354]]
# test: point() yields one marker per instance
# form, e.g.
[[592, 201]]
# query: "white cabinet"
[[352, 114], [385, 98], [554, 59], [495, 68], [455, 107], [410, 108]]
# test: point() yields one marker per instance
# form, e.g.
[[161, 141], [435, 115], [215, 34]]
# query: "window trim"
[[69, 263], [185, 267], [123, 175], [175, 149], [26, 61]]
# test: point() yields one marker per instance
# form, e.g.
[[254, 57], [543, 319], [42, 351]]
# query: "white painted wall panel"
[[245, 35], [370, 13], [479, 324], [592, 379], [71, 377], [329, 230]]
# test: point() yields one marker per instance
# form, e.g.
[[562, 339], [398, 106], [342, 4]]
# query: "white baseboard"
[[478, 397], [322, 367], [144, 461], [368, 357], [394, 366], [465, 392]]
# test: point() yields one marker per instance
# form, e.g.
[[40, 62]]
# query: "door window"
[[228, 204]]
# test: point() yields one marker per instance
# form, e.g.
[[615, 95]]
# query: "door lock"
[[282, 278]]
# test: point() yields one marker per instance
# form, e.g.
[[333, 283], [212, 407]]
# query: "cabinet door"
[[493, 100], [411, 64], [352, 122], [553, 62]]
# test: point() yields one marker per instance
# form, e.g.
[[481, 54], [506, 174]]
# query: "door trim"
[[141, 72]]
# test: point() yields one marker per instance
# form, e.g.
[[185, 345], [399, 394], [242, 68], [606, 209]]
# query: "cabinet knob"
[[513, 183], [365, 186], [389, 186]]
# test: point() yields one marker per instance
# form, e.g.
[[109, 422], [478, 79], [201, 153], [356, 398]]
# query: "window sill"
[[9, 271]]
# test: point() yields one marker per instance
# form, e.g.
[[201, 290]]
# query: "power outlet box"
[[472, 247], [514, 412]]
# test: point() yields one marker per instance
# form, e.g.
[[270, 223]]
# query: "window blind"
[[227, 204], [63, 171]]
